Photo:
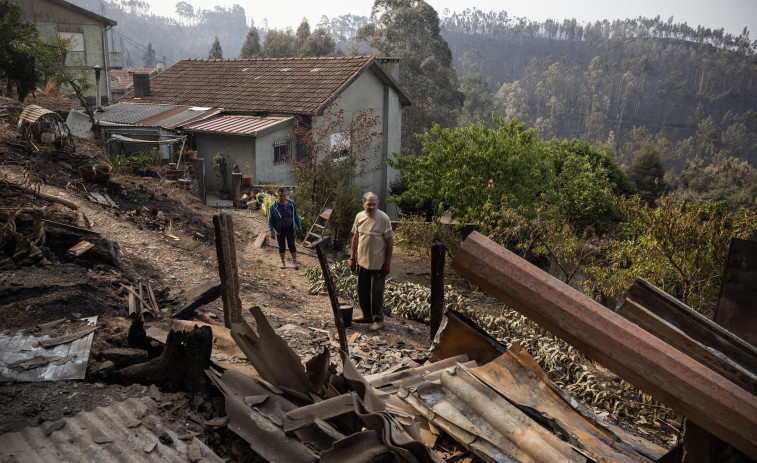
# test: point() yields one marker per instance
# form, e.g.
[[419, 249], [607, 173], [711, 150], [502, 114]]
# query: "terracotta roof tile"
[[268, 86]]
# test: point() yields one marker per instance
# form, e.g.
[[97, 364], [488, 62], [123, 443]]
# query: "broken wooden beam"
[[338, 321], [712, 359], [437, 287], [190, 299], [694, 324], [709, 399], [227, 268]]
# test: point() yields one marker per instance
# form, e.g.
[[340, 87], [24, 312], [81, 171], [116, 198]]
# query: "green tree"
[[149, 59], [410, 30], [471, 170], [680, 247], [185, 10], [20, 50], [319, 43], [302, 34], [251, 47], [587, 182], [215, 50], [479, 102], [279, 44], [647, 173], [730, 180]]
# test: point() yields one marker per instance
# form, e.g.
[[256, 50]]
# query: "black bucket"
[[346, 310]]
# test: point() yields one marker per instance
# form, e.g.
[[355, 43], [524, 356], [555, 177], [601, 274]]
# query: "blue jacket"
[[274, 217]]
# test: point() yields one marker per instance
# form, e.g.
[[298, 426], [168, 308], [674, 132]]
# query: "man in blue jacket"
[[283, 222]]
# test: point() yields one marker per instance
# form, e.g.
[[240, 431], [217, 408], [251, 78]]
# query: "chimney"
[[141, 85], [392, 66]]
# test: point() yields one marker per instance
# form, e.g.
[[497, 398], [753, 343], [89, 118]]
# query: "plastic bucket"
[[87, 172], [346, 310]]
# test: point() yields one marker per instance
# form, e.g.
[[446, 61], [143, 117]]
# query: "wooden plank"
[[259, 241], [80, 248], [195, 297], [680, 382], [712, 359], [694, 324]]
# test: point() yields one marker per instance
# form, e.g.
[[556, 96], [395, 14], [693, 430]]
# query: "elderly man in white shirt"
[[372, 246]]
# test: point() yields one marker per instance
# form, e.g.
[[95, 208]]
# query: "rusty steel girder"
[[707, 398]]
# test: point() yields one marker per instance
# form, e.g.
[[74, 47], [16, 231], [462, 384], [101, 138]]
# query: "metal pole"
[[707, 398], [334, 301]]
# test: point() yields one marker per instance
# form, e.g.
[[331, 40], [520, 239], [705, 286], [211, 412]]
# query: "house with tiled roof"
[[122, 80], [259, 100], [87, 31]]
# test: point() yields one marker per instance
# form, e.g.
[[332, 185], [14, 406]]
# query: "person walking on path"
[[283, 222], [372, 246]]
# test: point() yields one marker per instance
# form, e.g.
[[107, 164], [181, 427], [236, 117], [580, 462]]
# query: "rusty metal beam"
[[669, 375]]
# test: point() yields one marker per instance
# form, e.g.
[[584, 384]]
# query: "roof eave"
[[91, 14]]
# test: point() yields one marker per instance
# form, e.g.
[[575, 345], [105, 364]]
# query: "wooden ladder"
[[318, 229]]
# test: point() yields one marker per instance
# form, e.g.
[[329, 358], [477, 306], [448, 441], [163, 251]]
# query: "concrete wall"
[[52, 18], [369, 92], [266, 170], [240, 149]]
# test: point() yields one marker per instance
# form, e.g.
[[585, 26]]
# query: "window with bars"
[[281, 151]]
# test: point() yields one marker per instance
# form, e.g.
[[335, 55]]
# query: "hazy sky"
[[732, 15]]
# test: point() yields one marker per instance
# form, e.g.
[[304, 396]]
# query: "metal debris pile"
[[568, 368]]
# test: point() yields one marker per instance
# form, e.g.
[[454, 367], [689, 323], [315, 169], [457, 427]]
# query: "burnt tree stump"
[[181, 366]]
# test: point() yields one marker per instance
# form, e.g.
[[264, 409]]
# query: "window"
[[281, 151], [341, 145], [77, 40]]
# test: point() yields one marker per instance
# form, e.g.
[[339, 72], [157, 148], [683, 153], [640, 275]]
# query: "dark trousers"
[[286, 237], [370, 292]]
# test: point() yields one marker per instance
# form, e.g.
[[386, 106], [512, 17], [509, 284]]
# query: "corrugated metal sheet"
[[241, 125], [32, 112], [173, 120], [124, 431], [132, 113], [21, 347]]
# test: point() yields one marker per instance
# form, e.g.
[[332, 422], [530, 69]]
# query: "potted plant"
[[148, 162], [220, 165], [246, 178]]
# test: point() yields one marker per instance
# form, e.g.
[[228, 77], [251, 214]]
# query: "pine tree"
[[149, 59], [215, 50], [251, 47]]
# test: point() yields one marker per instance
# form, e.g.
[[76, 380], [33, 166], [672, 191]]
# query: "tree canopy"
[[215, 50], [251, 47], [20, 49], [409, 30]]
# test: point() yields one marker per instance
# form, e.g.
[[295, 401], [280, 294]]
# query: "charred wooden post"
[[227, 268], [707, 398], [332, 296], [437, 287], [181, 366]]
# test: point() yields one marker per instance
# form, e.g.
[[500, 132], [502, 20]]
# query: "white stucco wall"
[[368, 92]]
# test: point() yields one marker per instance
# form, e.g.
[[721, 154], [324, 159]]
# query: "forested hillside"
[[691, 91], [171, 39]]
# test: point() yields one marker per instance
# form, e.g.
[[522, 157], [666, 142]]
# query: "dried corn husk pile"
[[567, 368]]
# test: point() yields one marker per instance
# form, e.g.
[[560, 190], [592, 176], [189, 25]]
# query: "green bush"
[[417, 236]]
